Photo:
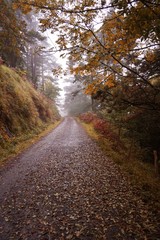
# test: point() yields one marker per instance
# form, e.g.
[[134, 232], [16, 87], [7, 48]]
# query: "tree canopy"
[[110, 42]]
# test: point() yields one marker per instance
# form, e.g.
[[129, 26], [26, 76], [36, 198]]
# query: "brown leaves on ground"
[[65, 188]]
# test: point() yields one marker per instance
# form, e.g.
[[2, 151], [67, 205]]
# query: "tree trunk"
[[130, 149], [92, 103], [42, 75], [119, 132], [155, 155]]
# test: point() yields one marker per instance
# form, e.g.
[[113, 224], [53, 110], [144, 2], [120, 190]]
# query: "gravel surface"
[[64, 187]]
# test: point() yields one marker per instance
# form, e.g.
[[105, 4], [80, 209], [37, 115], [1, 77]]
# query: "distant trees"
[[50, 89], [32, 55], [76, 102]]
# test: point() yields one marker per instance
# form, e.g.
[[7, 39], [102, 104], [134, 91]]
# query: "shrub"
[[100, 126], [104, 128], [87, 117]]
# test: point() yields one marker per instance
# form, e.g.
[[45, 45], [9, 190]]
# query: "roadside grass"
[[90, 130], [18, 144], [141, 175]]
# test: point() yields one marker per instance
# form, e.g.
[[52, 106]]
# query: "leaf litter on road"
[[73, 191]]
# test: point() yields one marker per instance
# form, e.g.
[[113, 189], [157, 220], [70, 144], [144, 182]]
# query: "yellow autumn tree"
[[105, 41]]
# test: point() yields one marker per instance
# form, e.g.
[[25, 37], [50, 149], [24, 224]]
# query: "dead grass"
[[90, 130], [21, 106]]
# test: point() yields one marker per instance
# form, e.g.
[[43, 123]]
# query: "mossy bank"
[[24, 112]]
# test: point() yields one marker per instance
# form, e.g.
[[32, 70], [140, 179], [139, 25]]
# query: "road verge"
[[18, 144], [141, 175]]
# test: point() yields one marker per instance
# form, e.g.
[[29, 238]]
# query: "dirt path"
[[64, 187]]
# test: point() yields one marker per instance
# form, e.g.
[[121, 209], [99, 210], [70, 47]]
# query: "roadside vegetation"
[[128, 155], [24, 112]]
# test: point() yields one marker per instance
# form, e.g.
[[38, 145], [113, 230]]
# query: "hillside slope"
[[22, 108]]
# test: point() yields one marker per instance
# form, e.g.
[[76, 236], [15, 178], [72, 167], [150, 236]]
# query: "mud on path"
[[64, 187]]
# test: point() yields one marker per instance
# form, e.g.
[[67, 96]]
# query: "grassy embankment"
[[140, 174], [25, 114]]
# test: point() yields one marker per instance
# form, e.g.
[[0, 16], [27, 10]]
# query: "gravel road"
[[65, 188]]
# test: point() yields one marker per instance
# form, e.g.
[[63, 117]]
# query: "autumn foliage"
[[104, 128]]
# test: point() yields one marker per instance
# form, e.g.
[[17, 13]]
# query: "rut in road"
[[64, 187]]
